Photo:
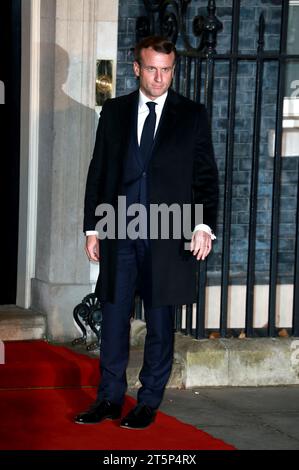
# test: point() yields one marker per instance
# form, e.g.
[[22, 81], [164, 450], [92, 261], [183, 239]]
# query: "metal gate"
[[195, 78]]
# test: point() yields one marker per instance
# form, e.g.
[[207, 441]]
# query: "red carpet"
[[41, 419], [40, 364]]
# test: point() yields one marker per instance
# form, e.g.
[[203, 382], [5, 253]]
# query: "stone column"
[[74, 34]]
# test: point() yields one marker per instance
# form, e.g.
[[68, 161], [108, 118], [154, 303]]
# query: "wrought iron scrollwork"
[[88, 314], [207, 28], [169, 18], [143, 27]]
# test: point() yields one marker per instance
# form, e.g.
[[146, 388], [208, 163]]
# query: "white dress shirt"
[[143, 111]]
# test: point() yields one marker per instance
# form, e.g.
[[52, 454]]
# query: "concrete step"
[[238, 362], [221, 362], [134, 366], [17, 324]]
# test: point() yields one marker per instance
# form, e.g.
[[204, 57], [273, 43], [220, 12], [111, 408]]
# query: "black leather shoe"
[[139, 418], [98, 412]]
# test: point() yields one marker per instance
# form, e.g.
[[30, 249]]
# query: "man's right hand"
[[92, 248]]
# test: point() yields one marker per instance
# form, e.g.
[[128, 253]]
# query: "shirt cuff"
[[205, 228], [91, 232]]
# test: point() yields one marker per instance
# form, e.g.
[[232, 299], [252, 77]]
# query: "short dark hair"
[[158, 43]]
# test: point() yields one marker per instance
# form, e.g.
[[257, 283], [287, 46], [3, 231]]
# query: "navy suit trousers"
[[133, 270]]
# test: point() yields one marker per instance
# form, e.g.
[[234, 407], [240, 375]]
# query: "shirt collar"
[[144, 99]]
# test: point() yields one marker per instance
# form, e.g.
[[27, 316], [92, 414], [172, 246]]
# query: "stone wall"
[[74, 34]]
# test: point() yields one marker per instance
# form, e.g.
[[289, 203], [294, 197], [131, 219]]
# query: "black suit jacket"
[[182, 170]]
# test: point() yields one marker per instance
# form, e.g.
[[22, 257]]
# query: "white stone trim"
[[237, 306], [29, 149]]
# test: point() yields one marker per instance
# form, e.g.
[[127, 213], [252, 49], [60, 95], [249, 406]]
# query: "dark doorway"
[[10, 75]]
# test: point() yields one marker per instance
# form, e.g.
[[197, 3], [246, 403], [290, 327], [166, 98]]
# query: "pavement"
[[249, 418]]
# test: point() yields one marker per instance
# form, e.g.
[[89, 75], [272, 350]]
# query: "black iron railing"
[[194, 78]]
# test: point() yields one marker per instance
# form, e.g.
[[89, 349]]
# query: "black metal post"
[[296, 277], [201, 301], [188, 77], [277, 174], [138, 308], [254, 180], [197, 79], [177, 74], [228, 185], [189, 309], [178, 313], [211, 27]]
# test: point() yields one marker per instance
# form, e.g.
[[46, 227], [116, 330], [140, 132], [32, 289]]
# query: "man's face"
[[155, 72]]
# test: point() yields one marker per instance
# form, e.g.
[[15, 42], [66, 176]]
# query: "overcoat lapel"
[[167, 123], [128, 124]]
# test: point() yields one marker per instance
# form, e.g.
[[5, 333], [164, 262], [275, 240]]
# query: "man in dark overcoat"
[[153, 147]]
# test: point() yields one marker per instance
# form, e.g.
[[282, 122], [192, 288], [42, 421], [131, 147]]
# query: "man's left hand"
[[201, 244]]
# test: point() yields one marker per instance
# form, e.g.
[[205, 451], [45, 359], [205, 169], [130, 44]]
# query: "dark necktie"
[[148, 132]]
